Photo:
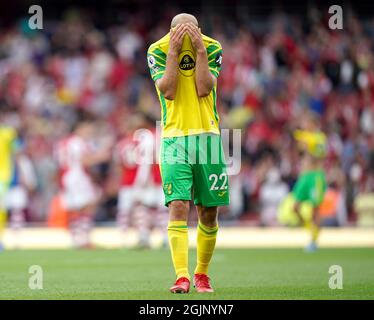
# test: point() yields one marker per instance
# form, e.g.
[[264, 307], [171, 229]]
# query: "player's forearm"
[[169, 82], [205, 81]]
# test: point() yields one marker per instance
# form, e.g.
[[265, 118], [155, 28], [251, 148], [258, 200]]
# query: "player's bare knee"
[[208, 216], [179, 209]]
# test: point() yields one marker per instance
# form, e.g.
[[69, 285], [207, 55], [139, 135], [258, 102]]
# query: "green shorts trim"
[[194, 167]]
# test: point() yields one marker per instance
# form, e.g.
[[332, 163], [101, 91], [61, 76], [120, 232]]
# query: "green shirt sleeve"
[[214, 52], [156, 62]]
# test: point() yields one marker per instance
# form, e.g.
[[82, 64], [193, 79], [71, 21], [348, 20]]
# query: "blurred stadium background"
[[279, 61]]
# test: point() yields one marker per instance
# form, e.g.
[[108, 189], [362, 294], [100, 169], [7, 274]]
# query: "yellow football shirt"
[[187, 114], [315, 143], [8, 138]]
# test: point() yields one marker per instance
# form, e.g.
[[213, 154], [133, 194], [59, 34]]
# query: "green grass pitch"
[[147, 274]]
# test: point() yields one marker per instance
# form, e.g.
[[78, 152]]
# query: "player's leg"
[[157, 213], [142, 223], [211, 190], [80, 197], [161, 217], [206, 237], [123, 209], [86, 224], [133, 211], [314, 232], [151, 198], [206, 241], [178, 237], [177, 181], [80, 226], [15, 203], [303, 212], [313, 227], [74, 227], [318, 186]]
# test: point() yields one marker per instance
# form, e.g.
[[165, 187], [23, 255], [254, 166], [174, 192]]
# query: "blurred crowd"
[[273, 71]]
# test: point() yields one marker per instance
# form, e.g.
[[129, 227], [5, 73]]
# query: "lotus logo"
[[187, 63]]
